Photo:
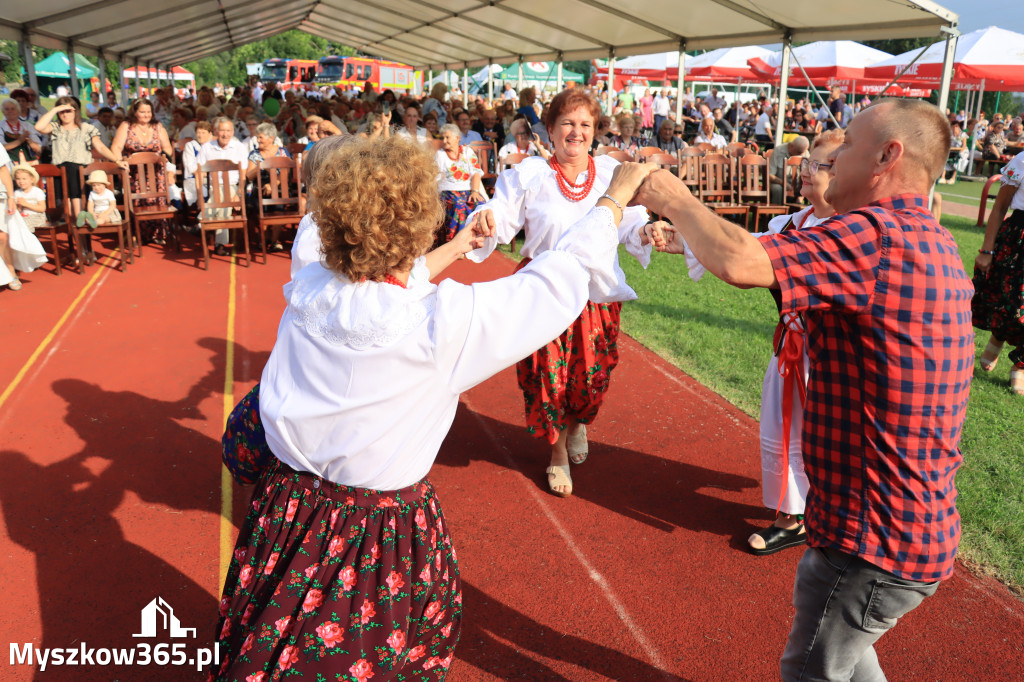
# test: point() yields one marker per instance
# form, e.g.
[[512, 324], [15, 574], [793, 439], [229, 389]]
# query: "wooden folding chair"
[[753, 188], [280, 202], [737, 149], [645, 153], [487, 156], [53, 181], [620, 156], [707, 148], [224, 206], [122, 191], [296, 149], [149, 202], [716, 189], [793, 199], [689, 168]]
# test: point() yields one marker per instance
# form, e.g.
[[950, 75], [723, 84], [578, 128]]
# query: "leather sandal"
[[776, 539], [990, 356], [577, 446], [1017, 379], [558, 474]]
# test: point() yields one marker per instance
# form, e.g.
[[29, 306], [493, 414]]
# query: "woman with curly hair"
[[344, 565]]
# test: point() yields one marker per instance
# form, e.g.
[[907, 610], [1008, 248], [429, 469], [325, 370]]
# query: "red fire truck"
[[289, 74], [355, 71]]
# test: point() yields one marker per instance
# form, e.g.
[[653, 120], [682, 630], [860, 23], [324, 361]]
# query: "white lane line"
[[609, 594]]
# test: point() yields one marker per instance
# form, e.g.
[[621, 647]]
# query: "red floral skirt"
[[332, 582], [568, 377]]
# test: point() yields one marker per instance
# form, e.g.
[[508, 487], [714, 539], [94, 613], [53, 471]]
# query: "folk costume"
[[344, 567], [568, 377], [455, 184]]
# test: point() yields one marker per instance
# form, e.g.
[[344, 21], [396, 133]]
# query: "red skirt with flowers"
[[567, 378], [330, 582]]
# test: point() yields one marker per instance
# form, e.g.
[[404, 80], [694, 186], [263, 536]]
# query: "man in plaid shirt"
[[887, 306]]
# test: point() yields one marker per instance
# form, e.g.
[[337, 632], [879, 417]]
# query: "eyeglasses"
[[813, 167]]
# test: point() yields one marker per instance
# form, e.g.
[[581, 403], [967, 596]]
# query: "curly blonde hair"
[[377, 205]]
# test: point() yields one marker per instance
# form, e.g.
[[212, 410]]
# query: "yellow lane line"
[[226, 527], [56, 328]]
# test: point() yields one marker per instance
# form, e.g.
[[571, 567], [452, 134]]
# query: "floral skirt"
[[456, 210], [998, 303], [568, 377], [331, 582]]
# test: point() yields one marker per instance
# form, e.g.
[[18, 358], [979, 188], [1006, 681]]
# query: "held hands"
[[659, 190], [982, 262], [627, 179], [473, 234]]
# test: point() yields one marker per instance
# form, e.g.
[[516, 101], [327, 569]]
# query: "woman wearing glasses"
[[782, 471], [525, 142]]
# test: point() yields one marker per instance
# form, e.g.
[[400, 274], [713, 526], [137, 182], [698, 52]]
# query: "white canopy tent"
[[445, 34]]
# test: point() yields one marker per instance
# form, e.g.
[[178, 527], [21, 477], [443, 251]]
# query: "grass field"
[[966, 192], [721, 336]]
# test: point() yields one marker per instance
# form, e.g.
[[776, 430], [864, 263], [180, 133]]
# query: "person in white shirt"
[[784, 483], [19, 248], [565, 382], [764, 129], [190, 160], [225, 146], [714, 101], [662, 107], [709, 135], [525, 141], [350, 453], [29, 198], [459, 183], [411, 124], [509, 93]]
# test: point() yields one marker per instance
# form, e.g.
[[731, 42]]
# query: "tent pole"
[[780, 114], [30, 62], [561, 83], [490, 82], [947, 66], [138, 80], [149, 79], [611, 82], [121, 88], [981, 96], [101, 64], [680, 79], [73, 69], [465, 85], [956, 103]]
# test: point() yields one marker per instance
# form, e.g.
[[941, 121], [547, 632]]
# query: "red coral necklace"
[[571, 190]]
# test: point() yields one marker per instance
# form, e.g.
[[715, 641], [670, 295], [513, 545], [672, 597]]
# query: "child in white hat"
[[29, 198], [101, 209]]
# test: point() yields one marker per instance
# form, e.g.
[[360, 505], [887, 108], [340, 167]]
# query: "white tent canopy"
[[832, 58], [454, 33]]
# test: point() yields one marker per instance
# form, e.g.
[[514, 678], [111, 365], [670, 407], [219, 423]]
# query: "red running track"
[[111, 495]]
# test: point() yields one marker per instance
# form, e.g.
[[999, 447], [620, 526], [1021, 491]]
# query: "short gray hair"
[[267, 129], [451, 128], [220, 120]]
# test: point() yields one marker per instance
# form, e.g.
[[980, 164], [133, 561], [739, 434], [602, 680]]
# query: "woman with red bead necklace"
[[564, 383]]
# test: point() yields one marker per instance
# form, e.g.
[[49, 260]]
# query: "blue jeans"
[[843, 605]]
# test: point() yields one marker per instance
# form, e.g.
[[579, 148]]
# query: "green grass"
[[721, 336], [966, 192]]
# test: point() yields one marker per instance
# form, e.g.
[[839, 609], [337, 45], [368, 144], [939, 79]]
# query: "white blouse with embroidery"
[[1013, 173], [363, 382], [526, 196]]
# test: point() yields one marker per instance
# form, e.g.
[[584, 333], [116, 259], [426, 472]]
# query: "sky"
[[975, 14]]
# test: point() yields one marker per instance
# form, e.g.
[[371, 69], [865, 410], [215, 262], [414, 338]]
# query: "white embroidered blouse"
[[363, 382], [527, 196]]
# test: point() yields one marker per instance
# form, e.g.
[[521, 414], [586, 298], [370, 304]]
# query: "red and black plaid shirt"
[[888, 310]]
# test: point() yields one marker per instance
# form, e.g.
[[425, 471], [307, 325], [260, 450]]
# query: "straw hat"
[[98, 176], [28, 169]]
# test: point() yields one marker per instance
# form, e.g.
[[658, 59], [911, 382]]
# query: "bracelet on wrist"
[[987, 252], [613, 200]]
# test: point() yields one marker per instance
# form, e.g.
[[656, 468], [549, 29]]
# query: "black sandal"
[[776, 539]]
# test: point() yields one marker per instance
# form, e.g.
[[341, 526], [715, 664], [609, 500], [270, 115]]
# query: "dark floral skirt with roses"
[[330, 582], [998, 303], [568, 377]]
